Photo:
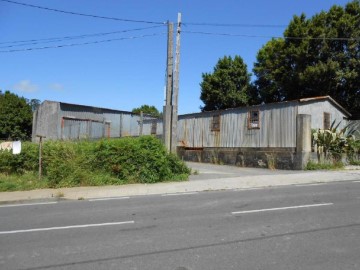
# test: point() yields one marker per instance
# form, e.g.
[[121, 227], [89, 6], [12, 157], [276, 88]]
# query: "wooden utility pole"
[[174, 117], [167, 110]]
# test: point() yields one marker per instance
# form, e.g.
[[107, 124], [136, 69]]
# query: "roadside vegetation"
[[90, 163], [335, 148]]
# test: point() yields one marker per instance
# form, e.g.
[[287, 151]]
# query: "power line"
[[237, 25], [80, 44], [80, 14], [49, 40], [257, 36]]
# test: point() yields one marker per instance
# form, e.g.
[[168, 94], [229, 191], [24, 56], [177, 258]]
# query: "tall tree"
[[317, 56], [15, 117], [227, 87], [146, 109]]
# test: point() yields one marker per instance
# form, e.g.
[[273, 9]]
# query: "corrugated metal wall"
[[153, 127], [317, 109], [277, 128], [71, 121]]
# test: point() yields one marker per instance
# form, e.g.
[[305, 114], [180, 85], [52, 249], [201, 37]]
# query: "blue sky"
[[129, 72]]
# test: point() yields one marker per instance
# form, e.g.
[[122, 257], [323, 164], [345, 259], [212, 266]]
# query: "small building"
[[65, 121], [251, 136]]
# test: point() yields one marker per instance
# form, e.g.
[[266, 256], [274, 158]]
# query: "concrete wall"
[[46, 121]]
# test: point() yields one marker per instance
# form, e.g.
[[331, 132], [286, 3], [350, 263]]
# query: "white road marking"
[[281, 208], [27, 204], [68, 227], [356, 181], [109, 199], [178, 194]]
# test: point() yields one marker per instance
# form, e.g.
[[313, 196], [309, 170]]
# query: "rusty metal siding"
[[317, 109], [99, 122], [277, 128], [148, 124]]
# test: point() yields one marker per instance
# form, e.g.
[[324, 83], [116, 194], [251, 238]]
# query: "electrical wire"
[[49, 40], [80, 44], [80, 14], [235, 25], [257, 36]]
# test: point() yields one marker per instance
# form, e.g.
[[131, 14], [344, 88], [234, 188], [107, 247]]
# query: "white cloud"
[[26, 86], [56, 86]]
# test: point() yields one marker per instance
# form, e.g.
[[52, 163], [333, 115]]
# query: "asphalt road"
[[294, 227]]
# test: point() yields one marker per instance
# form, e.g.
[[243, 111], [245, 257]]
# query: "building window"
[[153, 127], [215, 123], [326, 120], [254, 119]]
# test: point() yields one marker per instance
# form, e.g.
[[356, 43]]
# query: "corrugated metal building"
[[64, 121], [267, 125]]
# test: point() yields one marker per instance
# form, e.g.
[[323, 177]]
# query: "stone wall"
[[273, 158]]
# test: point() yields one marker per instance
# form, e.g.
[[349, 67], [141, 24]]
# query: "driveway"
[[213, 171]]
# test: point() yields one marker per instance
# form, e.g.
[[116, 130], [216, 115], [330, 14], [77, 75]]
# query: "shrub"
[[104, 162]]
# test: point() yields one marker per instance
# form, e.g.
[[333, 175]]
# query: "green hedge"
[[83, 163]]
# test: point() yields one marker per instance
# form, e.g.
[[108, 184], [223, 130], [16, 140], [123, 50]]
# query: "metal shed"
[[65, 121], [261, 126]]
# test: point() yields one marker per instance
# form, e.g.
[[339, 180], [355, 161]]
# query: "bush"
[[142, 159], [104, 162]]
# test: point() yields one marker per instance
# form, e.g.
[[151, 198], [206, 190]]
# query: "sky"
[[126, 69]]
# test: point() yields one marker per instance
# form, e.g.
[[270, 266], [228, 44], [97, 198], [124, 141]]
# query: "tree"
[[227, 87], [149, 110], [317, 56], [15, 117], [34, 103]]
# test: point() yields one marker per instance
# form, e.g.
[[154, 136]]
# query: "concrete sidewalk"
[[209, 178]]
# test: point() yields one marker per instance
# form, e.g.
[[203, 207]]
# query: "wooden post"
[[141, 123], [40, 154], [174, 117]]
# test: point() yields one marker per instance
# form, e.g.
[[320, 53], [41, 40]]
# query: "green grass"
[[324, 166], [355, 162], [85, 163], [26, 181]]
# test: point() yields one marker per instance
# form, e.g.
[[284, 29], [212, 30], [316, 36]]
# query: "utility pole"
[[167, 110], [174, 117]]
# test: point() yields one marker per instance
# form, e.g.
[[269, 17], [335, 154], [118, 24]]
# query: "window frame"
[[153, 130], [252, 120], [326, 120], [216, 122]]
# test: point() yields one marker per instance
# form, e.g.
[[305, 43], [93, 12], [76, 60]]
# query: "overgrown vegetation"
[[334, 146], [85, 163]]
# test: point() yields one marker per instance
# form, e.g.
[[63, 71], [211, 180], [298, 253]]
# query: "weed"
[[271, 161], [59, 194], [195, 172], [91, 163], [324, 166]]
